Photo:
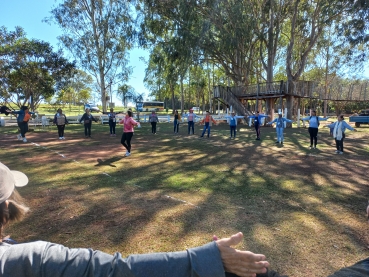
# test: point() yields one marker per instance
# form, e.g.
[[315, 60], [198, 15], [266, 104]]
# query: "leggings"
[[233, 130], [112, 125], [23, 126], [88, 129], [339, 143], [191, 124], [313, 136], [61, 130], [126, 140], [257, 129], [153, 127]]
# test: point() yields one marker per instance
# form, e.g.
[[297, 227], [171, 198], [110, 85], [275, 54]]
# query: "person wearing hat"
[[339, 127], [257, 122], [279, 126], [41, 258]]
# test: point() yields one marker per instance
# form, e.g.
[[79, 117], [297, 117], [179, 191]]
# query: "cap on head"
[[9, 179]]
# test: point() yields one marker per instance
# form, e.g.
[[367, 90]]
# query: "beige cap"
[[9, 179]]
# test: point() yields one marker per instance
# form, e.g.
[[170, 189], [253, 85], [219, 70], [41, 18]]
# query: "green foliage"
[[30, 68]]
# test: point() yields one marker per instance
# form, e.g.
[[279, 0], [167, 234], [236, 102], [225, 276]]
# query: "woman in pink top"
[[128, 131]]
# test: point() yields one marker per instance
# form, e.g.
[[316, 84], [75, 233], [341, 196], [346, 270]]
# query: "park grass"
[[303, 209]]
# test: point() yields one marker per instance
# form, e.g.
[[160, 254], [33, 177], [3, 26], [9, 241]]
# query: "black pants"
[[61, 130], [191, 124], [257, 129], [176, 125], [313, 136], [88, 129], [112, 125], [23, 126], [339, 143], [126, 140], [153, 127]]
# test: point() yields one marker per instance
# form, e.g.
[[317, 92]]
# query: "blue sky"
[[29, 14]]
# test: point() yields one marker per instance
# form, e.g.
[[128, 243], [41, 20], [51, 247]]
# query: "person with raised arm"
[[314, 122], [257, 122], [339, 127], [232, 120], [279, 121]]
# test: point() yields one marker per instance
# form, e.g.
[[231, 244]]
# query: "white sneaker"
[[336, 151], [63, 137], [128, 154], [340, 152], [19, 137], [24, 140], [60, 138]]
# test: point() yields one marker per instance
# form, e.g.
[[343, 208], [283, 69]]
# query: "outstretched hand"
[[241, 263]]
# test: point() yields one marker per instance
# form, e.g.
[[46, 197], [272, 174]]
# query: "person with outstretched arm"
[[47, 259], [314, 122], [257, 122], [279, 122], [232, 120], [339, 127]]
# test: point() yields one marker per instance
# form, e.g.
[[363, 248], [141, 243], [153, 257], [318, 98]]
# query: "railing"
[[229, 95]]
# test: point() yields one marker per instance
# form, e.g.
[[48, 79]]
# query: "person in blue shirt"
[[233, 123], [24, 115], [314, 122], [339, 128], [280, 127], [257, 122]]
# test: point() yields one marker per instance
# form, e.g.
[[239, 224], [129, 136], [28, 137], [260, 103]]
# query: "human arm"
[[305, 118], [287, 120], [330, 125], [66, 120], [82, 118], [323, 118], [271, 122], [346, 125], [55, 119], [214, 120]]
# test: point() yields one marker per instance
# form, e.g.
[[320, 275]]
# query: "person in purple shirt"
[[41, 258], [314, 122], [339, 127], [257, 122]]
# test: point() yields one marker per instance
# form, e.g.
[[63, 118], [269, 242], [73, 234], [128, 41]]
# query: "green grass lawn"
[[304, 209]]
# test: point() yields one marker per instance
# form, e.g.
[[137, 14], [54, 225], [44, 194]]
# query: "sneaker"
[[336, 151], [111, 135], [340, 152], [63, 137], [281, 142], [24, 140], [128, 154], [311, 147], [19, 137], [315, 147], [60, 138]]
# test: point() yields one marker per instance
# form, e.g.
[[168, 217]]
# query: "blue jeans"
[[279, 134], [176, 125], [191, 124], [206, 126], [233, 129], [112, 126]]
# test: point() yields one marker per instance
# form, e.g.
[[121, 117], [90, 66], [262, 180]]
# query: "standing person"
[[207, 121], [191, 119], [177, 120], [233, 123], [280, 126], [339, 128], [60, 120], [87, 118], [128, 131], [24, 115], [112, 122], [257, 122], [153, 119], [314, 122]]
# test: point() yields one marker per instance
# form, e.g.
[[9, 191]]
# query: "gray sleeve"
[[39, 259], [360, 269]]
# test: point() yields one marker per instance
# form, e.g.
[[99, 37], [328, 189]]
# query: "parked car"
[[196, 109], [92, 107]]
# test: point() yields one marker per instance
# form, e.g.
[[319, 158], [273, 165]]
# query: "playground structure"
[[287, 95]]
